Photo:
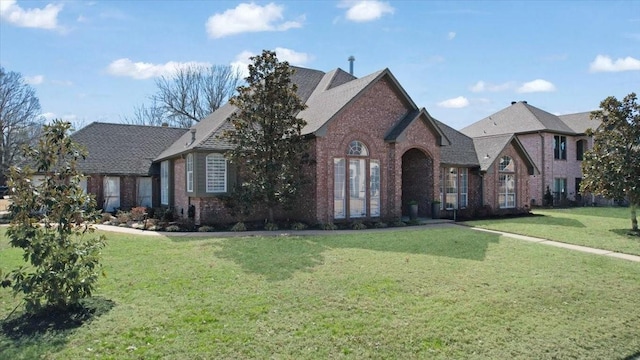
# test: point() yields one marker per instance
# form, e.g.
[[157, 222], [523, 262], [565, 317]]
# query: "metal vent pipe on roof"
[[351, 60]]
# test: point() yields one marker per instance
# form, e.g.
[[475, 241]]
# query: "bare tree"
[[152, 115], [20, 118], [194, 92]]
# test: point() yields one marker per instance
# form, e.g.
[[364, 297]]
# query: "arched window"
[[507, 183], [506, 164], [356, 183], [356, 148]]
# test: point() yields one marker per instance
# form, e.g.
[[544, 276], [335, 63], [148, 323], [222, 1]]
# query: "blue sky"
[[462, 61]]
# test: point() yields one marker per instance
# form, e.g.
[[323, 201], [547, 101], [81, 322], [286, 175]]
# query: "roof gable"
[[398, 131], [123, 149], [489, 148], [328, 100]]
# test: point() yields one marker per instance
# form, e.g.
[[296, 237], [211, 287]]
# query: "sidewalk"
[[424, 223], [563, 245]]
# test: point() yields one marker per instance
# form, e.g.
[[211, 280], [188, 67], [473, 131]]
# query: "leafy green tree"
[[268, 147], [51, 223], [612, 167]]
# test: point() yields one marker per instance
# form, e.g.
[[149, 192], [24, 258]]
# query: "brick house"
[[119, 167], [556, 145], [373, 150]]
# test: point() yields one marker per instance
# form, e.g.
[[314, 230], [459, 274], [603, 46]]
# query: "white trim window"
[[451, 188], [216, 173], [463, 174], [356, 184], [164, 182], [189, 170], [507, 183]]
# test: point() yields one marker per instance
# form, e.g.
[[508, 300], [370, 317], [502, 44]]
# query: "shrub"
[[123, 216], [105, 217], [399, 223], [380, 225], [173, 228], [358, 225], [271, 226], [298, 226], [328, 226], [206, 228], [138, 213], [239, 226]]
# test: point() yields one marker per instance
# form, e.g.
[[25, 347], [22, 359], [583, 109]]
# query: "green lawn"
[[599, 227], [436, 293]]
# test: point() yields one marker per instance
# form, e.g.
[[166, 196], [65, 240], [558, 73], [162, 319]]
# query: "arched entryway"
[[417, 181]]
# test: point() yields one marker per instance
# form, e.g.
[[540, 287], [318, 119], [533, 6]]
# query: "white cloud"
[[249, 18], [366, 10], [34, 80], [537, 85], [142, 70], [455, 103], [42, 18], [604, 63], [293, 57], [451, 35], [241, 63], [482, 86]]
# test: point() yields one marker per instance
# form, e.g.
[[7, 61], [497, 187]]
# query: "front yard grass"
[[437, 293], [599, 227]]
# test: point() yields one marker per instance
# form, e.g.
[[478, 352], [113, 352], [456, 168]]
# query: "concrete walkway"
[[423, 223], [585, 249]]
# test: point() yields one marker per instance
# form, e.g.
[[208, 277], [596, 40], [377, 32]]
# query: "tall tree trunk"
[[271, 215], [634, 219]]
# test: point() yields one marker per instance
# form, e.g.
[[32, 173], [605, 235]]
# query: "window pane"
[[216, 173], [464, 186], [451, 187], [189, 172], [357, 148], [374, 188], [507, 191], [506, 164], [164, 183], [357, 188], [338, 189]]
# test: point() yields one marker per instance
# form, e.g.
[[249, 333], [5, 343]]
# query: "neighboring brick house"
[[483, 175], [119, 166], [556, 145], [373, 150]]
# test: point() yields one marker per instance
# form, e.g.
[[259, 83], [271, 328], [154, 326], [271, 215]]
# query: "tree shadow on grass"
[[628, 233], [279, 258], [30, 336]]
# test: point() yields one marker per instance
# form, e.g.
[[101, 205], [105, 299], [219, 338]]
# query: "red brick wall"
[[180, 198], [368, 119]]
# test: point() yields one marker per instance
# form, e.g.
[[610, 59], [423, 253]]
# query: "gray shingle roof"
[[461, 151], [579, 122], [325, 95], [515, 119], [122, 149], [206, 134]]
